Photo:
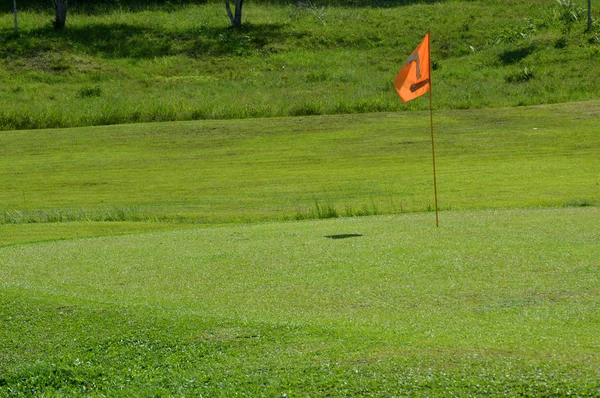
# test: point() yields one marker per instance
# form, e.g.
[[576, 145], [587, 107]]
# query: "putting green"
[[484, 278]]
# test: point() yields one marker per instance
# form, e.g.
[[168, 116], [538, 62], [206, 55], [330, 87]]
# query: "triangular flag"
[[414, 80]]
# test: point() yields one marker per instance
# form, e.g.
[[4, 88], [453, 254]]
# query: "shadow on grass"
[[121, 40], [343, 236], [107, 6], [514, 56]]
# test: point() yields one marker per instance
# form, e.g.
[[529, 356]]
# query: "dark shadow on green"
[[514, 56], [98, 7], [343, 236], [120, 40]]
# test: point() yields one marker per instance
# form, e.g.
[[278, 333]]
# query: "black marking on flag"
[[418, 85]]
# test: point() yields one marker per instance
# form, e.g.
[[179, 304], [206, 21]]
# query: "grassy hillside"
[[177, 62]]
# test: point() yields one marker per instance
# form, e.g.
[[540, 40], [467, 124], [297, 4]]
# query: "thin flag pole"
[[437, 222], [411, 85]]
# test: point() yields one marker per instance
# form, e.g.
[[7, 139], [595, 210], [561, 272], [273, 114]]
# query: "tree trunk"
[[16, 23], [589, 25], [60, 9], [236, 20]]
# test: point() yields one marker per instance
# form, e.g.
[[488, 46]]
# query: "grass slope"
[[271, 169], [181, 63], [492, 303]]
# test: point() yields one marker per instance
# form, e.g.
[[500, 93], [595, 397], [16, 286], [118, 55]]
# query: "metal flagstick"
[[437, 224]]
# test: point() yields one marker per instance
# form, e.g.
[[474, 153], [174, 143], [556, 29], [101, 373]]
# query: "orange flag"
[[414, 78]]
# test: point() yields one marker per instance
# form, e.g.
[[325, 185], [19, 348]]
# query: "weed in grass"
[[89, 92], [561, 42], [315, 77], [323, 211], [523, 75], [512, 34], [307, 109], [366, 210], [580, 203], [569, 12], [329, 210], [318, 12]]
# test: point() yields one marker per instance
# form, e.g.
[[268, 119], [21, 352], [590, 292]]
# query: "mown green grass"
[[284, 168], [163, 301], [182, 63], [493, 303], [152, 260]]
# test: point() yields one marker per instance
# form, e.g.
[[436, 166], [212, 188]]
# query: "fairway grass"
[[212, 172], [500, 302]]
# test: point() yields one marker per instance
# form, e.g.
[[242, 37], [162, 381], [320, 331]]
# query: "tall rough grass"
[[81, 215], [126, 64]]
